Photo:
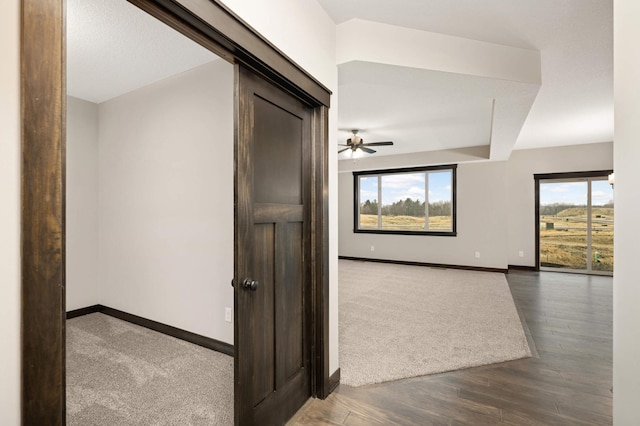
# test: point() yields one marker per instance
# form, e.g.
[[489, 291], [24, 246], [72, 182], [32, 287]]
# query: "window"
[[575, 222], [419, 200]]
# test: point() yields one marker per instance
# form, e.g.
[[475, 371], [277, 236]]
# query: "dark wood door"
[[272, 271]]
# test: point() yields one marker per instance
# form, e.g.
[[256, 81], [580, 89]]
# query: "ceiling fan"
[[355, 143]]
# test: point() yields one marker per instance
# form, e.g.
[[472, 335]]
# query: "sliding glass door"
[[576, 225], [602, 226]]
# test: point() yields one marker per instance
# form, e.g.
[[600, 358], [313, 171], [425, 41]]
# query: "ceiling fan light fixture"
[[359, 147]]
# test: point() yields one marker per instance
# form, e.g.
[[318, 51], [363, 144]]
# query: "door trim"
[[213, 25], [547, 176], [43, 108]]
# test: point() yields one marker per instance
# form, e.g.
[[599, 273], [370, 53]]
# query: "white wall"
[[496, 202], [82, 204], [305, 33], [626, 286], [10, 214], [481, 224], [521, 196], [166, 201]]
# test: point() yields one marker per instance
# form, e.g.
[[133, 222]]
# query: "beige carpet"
[[403, 321], [122, 374]]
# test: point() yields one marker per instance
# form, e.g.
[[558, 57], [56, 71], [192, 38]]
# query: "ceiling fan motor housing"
[[355, 143]]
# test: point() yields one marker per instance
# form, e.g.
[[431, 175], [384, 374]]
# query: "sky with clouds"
[[407, 185], [411, 185], [575, 193]]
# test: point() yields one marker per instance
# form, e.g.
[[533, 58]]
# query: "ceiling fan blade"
[[343, 150], [341, 144], [368, 150], [378, 143]]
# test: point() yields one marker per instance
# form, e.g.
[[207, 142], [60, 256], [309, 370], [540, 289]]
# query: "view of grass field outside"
[[403, 198], [564, 225]]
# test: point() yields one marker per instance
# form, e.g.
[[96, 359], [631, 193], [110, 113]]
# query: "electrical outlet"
[[477, 255], [227, 314], [520, 253], [373, 248]]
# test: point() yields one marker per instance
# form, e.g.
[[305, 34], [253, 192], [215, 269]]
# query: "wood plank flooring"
[[570, 320]]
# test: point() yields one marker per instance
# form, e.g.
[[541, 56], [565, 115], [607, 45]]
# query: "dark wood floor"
[[570, 319]]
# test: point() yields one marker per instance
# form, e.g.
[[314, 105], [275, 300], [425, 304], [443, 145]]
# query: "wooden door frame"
[[43, 111]]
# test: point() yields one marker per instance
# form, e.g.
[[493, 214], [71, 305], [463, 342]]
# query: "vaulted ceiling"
[[573, 103]]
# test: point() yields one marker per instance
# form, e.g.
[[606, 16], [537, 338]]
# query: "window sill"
[[399, 232]]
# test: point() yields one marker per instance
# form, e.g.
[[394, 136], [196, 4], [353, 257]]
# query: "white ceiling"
[[574, 104], [113, 48], [421, 110]]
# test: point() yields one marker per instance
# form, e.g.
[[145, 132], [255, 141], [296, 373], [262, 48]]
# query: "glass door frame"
[[569, 177]]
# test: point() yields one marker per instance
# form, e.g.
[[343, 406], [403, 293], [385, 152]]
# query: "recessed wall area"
[[495, 210], [478, 227], [150, 201]]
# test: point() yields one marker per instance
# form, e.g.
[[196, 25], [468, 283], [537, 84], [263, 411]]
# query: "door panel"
[[576, 224], [279, 181], [290, 304], [602, 226], [261, 305], [272, 328], [563, 225]]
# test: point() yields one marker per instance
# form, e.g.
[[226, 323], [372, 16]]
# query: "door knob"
[[250, 284]]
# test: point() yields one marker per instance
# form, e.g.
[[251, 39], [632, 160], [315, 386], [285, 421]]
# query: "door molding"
[[213, 25], [43, 108]]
